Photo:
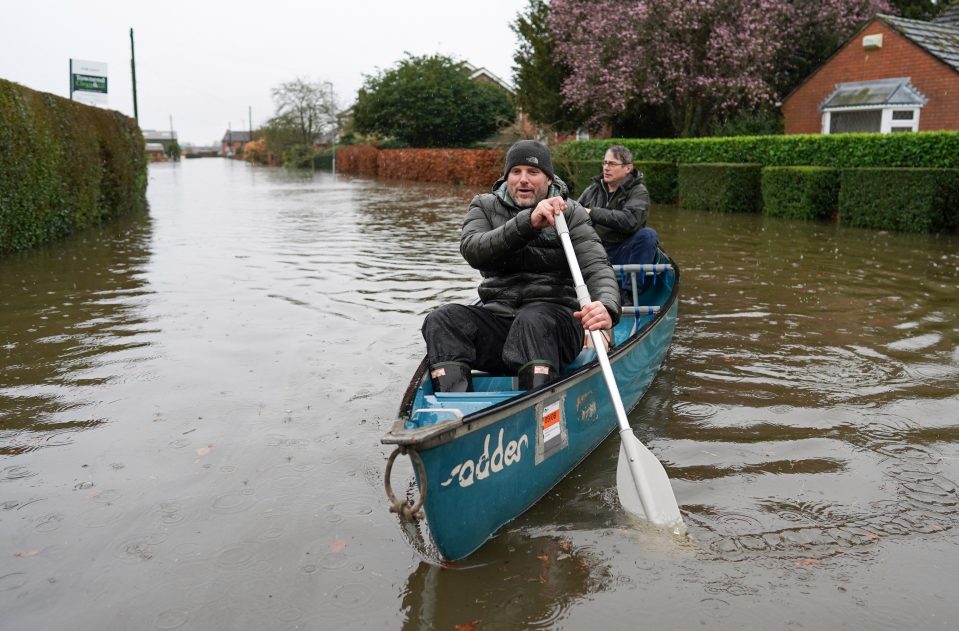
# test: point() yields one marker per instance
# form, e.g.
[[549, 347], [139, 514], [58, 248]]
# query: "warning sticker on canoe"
[[551, 426], [551, 436]]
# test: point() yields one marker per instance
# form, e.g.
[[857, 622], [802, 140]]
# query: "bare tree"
[[306, 107]]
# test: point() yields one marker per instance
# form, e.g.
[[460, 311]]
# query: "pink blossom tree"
[[698, 58]]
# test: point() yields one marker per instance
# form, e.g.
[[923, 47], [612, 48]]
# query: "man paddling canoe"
[[530, 323]]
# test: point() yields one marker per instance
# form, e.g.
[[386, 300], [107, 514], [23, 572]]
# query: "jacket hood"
[[557, 187]]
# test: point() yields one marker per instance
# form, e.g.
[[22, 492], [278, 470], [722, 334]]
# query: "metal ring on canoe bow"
[[402, 507]]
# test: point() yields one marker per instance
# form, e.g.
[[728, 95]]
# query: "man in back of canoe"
[[530, 323], [618, 204]]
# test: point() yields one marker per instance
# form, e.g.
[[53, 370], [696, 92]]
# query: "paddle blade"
[[663, 509]]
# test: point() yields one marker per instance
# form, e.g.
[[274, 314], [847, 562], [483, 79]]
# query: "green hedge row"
[[63, 166], [722, 187], [923, 149], [907, 200], [577, 174], [662, 180], [800, 192], [901, 199]]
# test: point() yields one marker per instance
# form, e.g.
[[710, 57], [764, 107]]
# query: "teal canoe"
[[482, 458]]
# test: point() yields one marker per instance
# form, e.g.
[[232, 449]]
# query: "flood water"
[[191, 403]]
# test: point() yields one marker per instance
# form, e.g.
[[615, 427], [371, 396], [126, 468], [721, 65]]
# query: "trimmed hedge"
[[800, 192], [578, 174], [479, 168], [907, 200], [720, 187], [938, 149], [662, 180], [357, 160], [63, 166]]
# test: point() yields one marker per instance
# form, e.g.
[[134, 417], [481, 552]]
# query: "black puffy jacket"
[[521, 265], [619, 215]]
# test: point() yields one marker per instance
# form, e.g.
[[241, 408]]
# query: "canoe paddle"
[[641, 480]]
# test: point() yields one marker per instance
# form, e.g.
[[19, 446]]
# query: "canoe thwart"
[[445, 406], [642, 268], [641, 310]]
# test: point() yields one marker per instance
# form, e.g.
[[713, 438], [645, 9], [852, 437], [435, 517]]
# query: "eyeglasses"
[[607, 163]]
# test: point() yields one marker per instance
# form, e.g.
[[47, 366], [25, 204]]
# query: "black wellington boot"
[[451, 377], [535, 375]]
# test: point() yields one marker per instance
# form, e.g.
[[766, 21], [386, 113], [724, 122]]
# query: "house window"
[[855, 122], [899, 120], [883, 106], [883, 121]]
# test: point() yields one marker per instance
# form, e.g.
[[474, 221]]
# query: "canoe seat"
[[445, 406]]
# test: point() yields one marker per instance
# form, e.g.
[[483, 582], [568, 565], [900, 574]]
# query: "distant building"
[[521, 127], [233, 141], [165, 138], [894, 75], [326, 138], [156, 152], [194, 151], [482, 74]]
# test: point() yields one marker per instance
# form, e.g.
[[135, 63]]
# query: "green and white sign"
[[88, 82]]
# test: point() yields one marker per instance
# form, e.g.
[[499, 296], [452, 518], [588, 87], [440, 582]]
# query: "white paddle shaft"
[[658, 505]]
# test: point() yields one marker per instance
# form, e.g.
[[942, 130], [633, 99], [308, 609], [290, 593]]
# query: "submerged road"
[[191, 403]]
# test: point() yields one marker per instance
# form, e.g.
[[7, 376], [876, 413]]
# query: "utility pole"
[[133, 71], [335, 126], [250, 115], [173, 141]]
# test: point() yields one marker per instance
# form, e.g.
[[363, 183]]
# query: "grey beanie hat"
[[531, 153]]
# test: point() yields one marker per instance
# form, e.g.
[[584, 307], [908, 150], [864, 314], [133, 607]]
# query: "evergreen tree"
[[539, 74], [919, 9], [430, 101]]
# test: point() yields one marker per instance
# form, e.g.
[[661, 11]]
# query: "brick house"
[[894, 75], [232, 142]]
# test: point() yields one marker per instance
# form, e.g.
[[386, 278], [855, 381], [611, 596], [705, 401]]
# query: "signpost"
[[88, 82]]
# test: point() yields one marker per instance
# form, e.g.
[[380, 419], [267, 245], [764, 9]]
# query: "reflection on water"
[[815, 381], [71, 319], [494, 592], [191, 404]]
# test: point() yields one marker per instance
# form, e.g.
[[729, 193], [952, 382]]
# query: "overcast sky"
[[205, 62]]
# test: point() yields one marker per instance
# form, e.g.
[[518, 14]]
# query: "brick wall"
[[898, 57]]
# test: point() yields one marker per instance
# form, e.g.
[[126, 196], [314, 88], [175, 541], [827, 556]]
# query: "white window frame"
[[887, 122]]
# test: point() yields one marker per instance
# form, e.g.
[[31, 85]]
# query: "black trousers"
[[542, 332]]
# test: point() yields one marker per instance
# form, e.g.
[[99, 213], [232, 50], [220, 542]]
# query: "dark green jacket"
[[619, 215], [521, 265]]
